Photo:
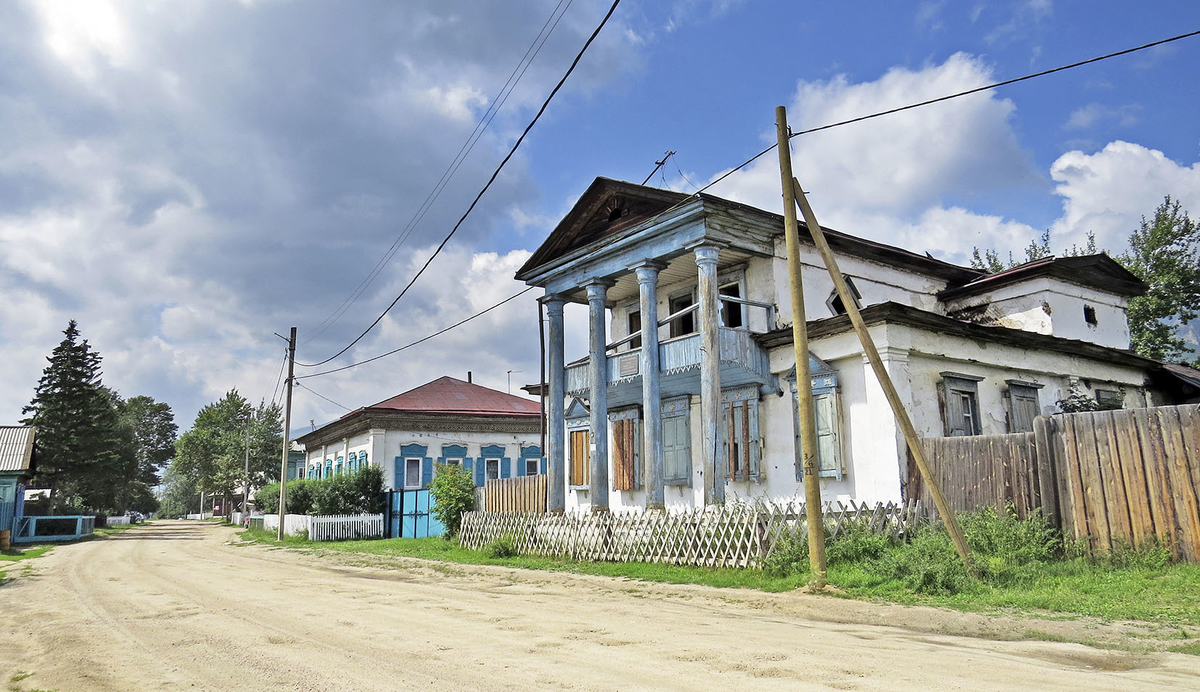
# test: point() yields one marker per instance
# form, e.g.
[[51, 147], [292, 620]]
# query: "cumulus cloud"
[[1092, 114], [187, 179], [887, 179], [1108, 192]]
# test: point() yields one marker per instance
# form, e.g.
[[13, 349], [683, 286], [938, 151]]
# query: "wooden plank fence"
[[978, 471], [523, 494], [1109, 477], [729, 536], [345, 527]]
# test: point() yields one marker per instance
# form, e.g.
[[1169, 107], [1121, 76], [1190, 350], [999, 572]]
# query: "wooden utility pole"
[[808, 432], [910, 433], [287, 425]]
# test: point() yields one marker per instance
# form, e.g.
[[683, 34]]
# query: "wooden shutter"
[[829, 448], [625, 454], [1024, 407], [676, 450], [579, 457]]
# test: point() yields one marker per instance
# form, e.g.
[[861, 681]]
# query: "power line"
[[484, 122], [321, 396], [479, 196], [422, 339], [279, 378], [768, 149], [968, 92]]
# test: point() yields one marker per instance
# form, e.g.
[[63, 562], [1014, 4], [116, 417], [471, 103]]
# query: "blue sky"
[[186, 178]]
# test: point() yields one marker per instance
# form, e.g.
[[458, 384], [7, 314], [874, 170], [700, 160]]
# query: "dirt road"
[[177, 606]]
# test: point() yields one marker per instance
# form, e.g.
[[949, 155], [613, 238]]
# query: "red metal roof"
[[447, 395]]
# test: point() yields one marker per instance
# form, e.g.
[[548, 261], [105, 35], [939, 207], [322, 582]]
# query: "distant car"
[[136, 517]]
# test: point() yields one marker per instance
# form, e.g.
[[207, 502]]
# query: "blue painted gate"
[[409, 515]]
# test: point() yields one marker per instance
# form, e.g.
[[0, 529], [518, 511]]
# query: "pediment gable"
[[606, 208]]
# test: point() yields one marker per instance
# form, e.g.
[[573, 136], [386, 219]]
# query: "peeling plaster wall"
[[1049, 306]]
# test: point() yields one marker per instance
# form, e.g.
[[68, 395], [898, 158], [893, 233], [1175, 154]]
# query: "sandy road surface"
[[174, 606]]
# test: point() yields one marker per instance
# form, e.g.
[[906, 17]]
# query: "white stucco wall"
[[383, 447]]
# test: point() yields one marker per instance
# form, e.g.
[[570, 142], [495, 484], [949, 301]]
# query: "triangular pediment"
[[577, 410], [607, 208]]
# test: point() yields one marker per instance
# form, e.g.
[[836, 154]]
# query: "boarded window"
[[960, 402], [1023, 405], [580, 457], [743, 446], [626, 439], [677, 454]]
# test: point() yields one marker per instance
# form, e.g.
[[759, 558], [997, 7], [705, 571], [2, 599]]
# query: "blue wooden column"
[[597, 291], [652, 443], [556, 500], [712, 432]]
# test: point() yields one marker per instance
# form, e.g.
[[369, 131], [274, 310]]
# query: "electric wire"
[[279, 378], [495, 174], [422, 340], [480, 127], [770, 148], [322, 396]]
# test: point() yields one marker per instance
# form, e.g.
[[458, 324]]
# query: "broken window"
[[960, 399], [743, 443], [835, 301], [686, 324], [1089, 315], [732, 313]]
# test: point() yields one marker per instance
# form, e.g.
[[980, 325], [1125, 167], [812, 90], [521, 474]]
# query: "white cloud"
[[884, 178], [1109, 191], [1085, 117]]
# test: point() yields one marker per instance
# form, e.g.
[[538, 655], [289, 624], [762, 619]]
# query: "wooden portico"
[[618, 245]]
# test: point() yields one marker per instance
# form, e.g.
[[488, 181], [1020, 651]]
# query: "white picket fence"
[[206, 515], [345, 527], [293, 524], [329, 527], [236, 518], [122, 520]]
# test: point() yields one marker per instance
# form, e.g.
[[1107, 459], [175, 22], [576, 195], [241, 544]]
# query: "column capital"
[[647, 270], [705, 250], [553, 301], [597, 289]]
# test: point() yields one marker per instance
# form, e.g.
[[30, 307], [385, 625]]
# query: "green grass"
[[15, 554], [1022, 568], [442, 550], [1193, 649]]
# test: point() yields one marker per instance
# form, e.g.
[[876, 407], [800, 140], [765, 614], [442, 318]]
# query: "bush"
[[504, 546], [357, 493], [789, 556], [856, 542], [1008, 549], [453, 491], [928, 564]]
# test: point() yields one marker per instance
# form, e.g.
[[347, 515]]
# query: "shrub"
[[1007, 548], [453, 491], [788, 556], [368, 486], [503, 546], [266, 498], [928, 564], [856, 542], [299, 496], [1152, 554]]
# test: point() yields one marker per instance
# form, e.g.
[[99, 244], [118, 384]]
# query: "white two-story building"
[[687, 396]]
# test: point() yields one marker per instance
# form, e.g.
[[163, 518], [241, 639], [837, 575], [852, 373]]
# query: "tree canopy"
[[95, 450], [212, 454]]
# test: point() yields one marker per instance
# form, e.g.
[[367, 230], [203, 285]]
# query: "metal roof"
[[16, 447], [451, 396]]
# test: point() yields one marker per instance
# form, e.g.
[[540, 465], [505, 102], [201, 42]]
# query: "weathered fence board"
[[523, 494], [730, 536], [984, 471]]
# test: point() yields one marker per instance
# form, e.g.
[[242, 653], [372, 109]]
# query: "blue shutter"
[[506, 468], [426, 472], [479, 470], [466, 464], [398, 479], [521, 466], [545, 468]]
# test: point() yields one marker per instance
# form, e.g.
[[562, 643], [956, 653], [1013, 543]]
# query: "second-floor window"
[[732, 314], [687, 323], [633, 321]]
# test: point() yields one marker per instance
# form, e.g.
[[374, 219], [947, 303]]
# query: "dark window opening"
[[1089, 315], [615, 214], [686, 324], [835, 301], [633, 320], [731, 313]]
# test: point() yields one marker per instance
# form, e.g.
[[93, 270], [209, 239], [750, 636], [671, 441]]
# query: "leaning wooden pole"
[[910, 433], [808, 431]]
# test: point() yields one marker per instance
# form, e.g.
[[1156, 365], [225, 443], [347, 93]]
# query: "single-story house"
[[17, 464], [687, 396], [491, 433]]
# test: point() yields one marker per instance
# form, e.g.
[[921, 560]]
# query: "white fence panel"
[[206, 515], [345, 527], [117, 521], [236, 518], [292, 523]]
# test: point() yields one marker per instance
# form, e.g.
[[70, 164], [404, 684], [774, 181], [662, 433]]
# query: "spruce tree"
[[77, 430]]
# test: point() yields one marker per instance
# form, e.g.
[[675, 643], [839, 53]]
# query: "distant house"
[[16, 468], [448, 421], [688, 394]]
